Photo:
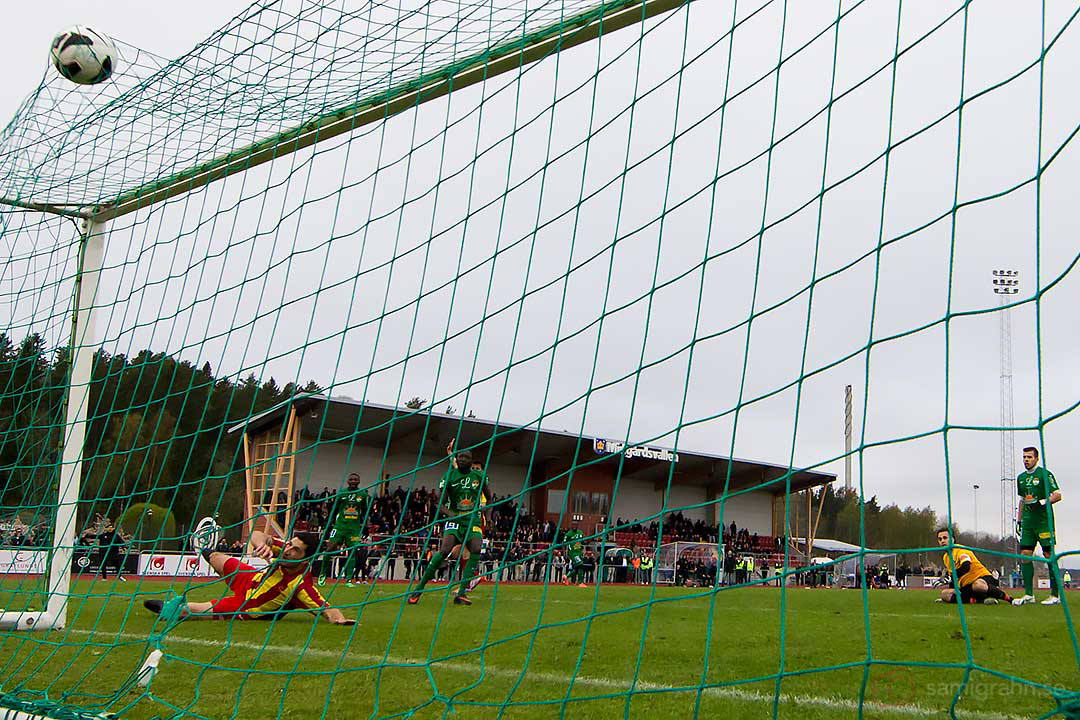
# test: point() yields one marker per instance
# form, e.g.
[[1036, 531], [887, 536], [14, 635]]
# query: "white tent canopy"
[[832, 545]]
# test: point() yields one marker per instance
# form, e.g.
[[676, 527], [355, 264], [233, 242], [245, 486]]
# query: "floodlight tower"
[[847, 438], [1006, 284]]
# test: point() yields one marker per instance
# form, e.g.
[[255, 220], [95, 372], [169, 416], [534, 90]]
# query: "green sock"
[[350, 563], [1027, 571], [1051, 569], [432, 568], [466, 576]]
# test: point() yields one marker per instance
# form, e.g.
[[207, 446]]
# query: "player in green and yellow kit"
[[347, 530], [575, 556], [462, 490], [460, 555], [1038, 491]]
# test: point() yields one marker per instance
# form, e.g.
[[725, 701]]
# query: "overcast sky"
[[279, 283]]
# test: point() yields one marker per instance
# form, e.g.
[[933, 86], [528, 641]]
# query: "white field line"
[[562, 679], [662, 601]]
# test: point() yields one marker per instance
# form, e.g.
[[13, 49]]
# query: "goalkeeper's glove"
[[1018, 529]]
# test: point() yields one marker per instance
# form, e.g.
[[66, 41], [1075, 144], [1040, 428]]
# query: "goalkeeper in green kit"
[[347, 530], [575, 556], [463, 490], [1038, 491]]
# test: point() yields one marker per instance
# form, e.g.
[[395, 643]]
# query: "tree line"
[[157, 433], [889, 527]]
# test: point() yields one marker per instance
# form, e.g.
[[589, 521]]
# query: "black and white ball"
[[83, 56]]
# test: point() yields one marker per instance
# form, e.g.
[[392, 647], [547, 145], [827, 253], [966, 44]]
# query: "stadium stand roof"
[[333, 419]]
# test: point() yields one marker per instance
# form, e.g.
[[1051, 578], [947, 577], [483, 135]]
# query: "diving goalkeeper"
[[975, 581], [285, 584]]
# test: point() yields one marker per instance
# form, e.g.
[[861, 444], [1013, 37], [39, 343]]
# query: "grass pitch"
[[560, 652]]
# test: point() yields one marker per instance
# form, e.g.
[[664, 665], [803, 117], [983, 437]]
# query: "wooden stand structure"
[[809, 524], [270, 462]]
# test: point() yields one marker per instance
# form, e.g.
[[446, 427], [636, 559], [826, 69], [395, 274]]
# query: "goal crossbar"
[[575, 30]]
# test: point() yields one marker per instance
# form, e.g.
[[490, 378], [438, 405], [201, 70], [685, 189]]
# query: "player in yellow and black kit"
[[975, 581]]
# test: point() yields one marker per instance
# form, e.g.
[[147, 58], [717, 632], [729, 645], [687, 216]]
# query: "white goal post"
[[69, 473]]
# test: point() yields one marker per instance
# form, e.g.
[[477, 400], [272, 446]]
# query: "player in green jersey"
[[462, 490], [575, 556], [1038, 491], [347, 530], [460, 555]]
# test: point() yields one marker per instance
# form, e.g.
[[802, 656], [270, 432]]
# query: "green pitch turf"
[[531, 652]]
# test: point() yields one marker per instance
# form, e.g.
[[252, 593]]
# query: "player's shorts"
[[463, 531], [346, 534], [1035, 531], [239, 577], [966, 596], [575, 561]]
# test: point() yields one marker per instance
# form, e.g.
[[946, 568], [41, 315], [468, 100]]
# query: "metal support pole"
[[1006, 285], [847, 437], [975, 504]]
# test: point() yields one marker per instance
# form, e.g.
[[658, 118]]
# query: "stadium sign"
[[171, 565], [23, 562], [604, 447], [165, 564]]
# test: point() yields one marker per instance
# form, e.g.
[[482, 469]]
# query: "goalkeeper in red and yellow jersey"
[[975, 582], [268, 593]]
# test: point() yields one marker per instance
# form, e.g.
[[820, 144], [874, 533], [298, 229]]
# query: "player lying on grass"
[[285, 584], [976, 582]]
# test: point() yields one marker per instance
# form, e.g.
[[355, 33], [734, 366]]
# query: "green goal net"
[[629, 255]]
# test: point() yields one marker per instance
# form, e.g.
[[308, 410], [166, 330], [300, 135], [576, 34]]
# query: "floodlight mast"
[[975, 505], [1006, 284]]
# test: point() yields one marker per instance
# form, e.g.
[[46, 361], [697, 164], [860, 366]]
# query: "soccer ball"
[[83, 56]]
